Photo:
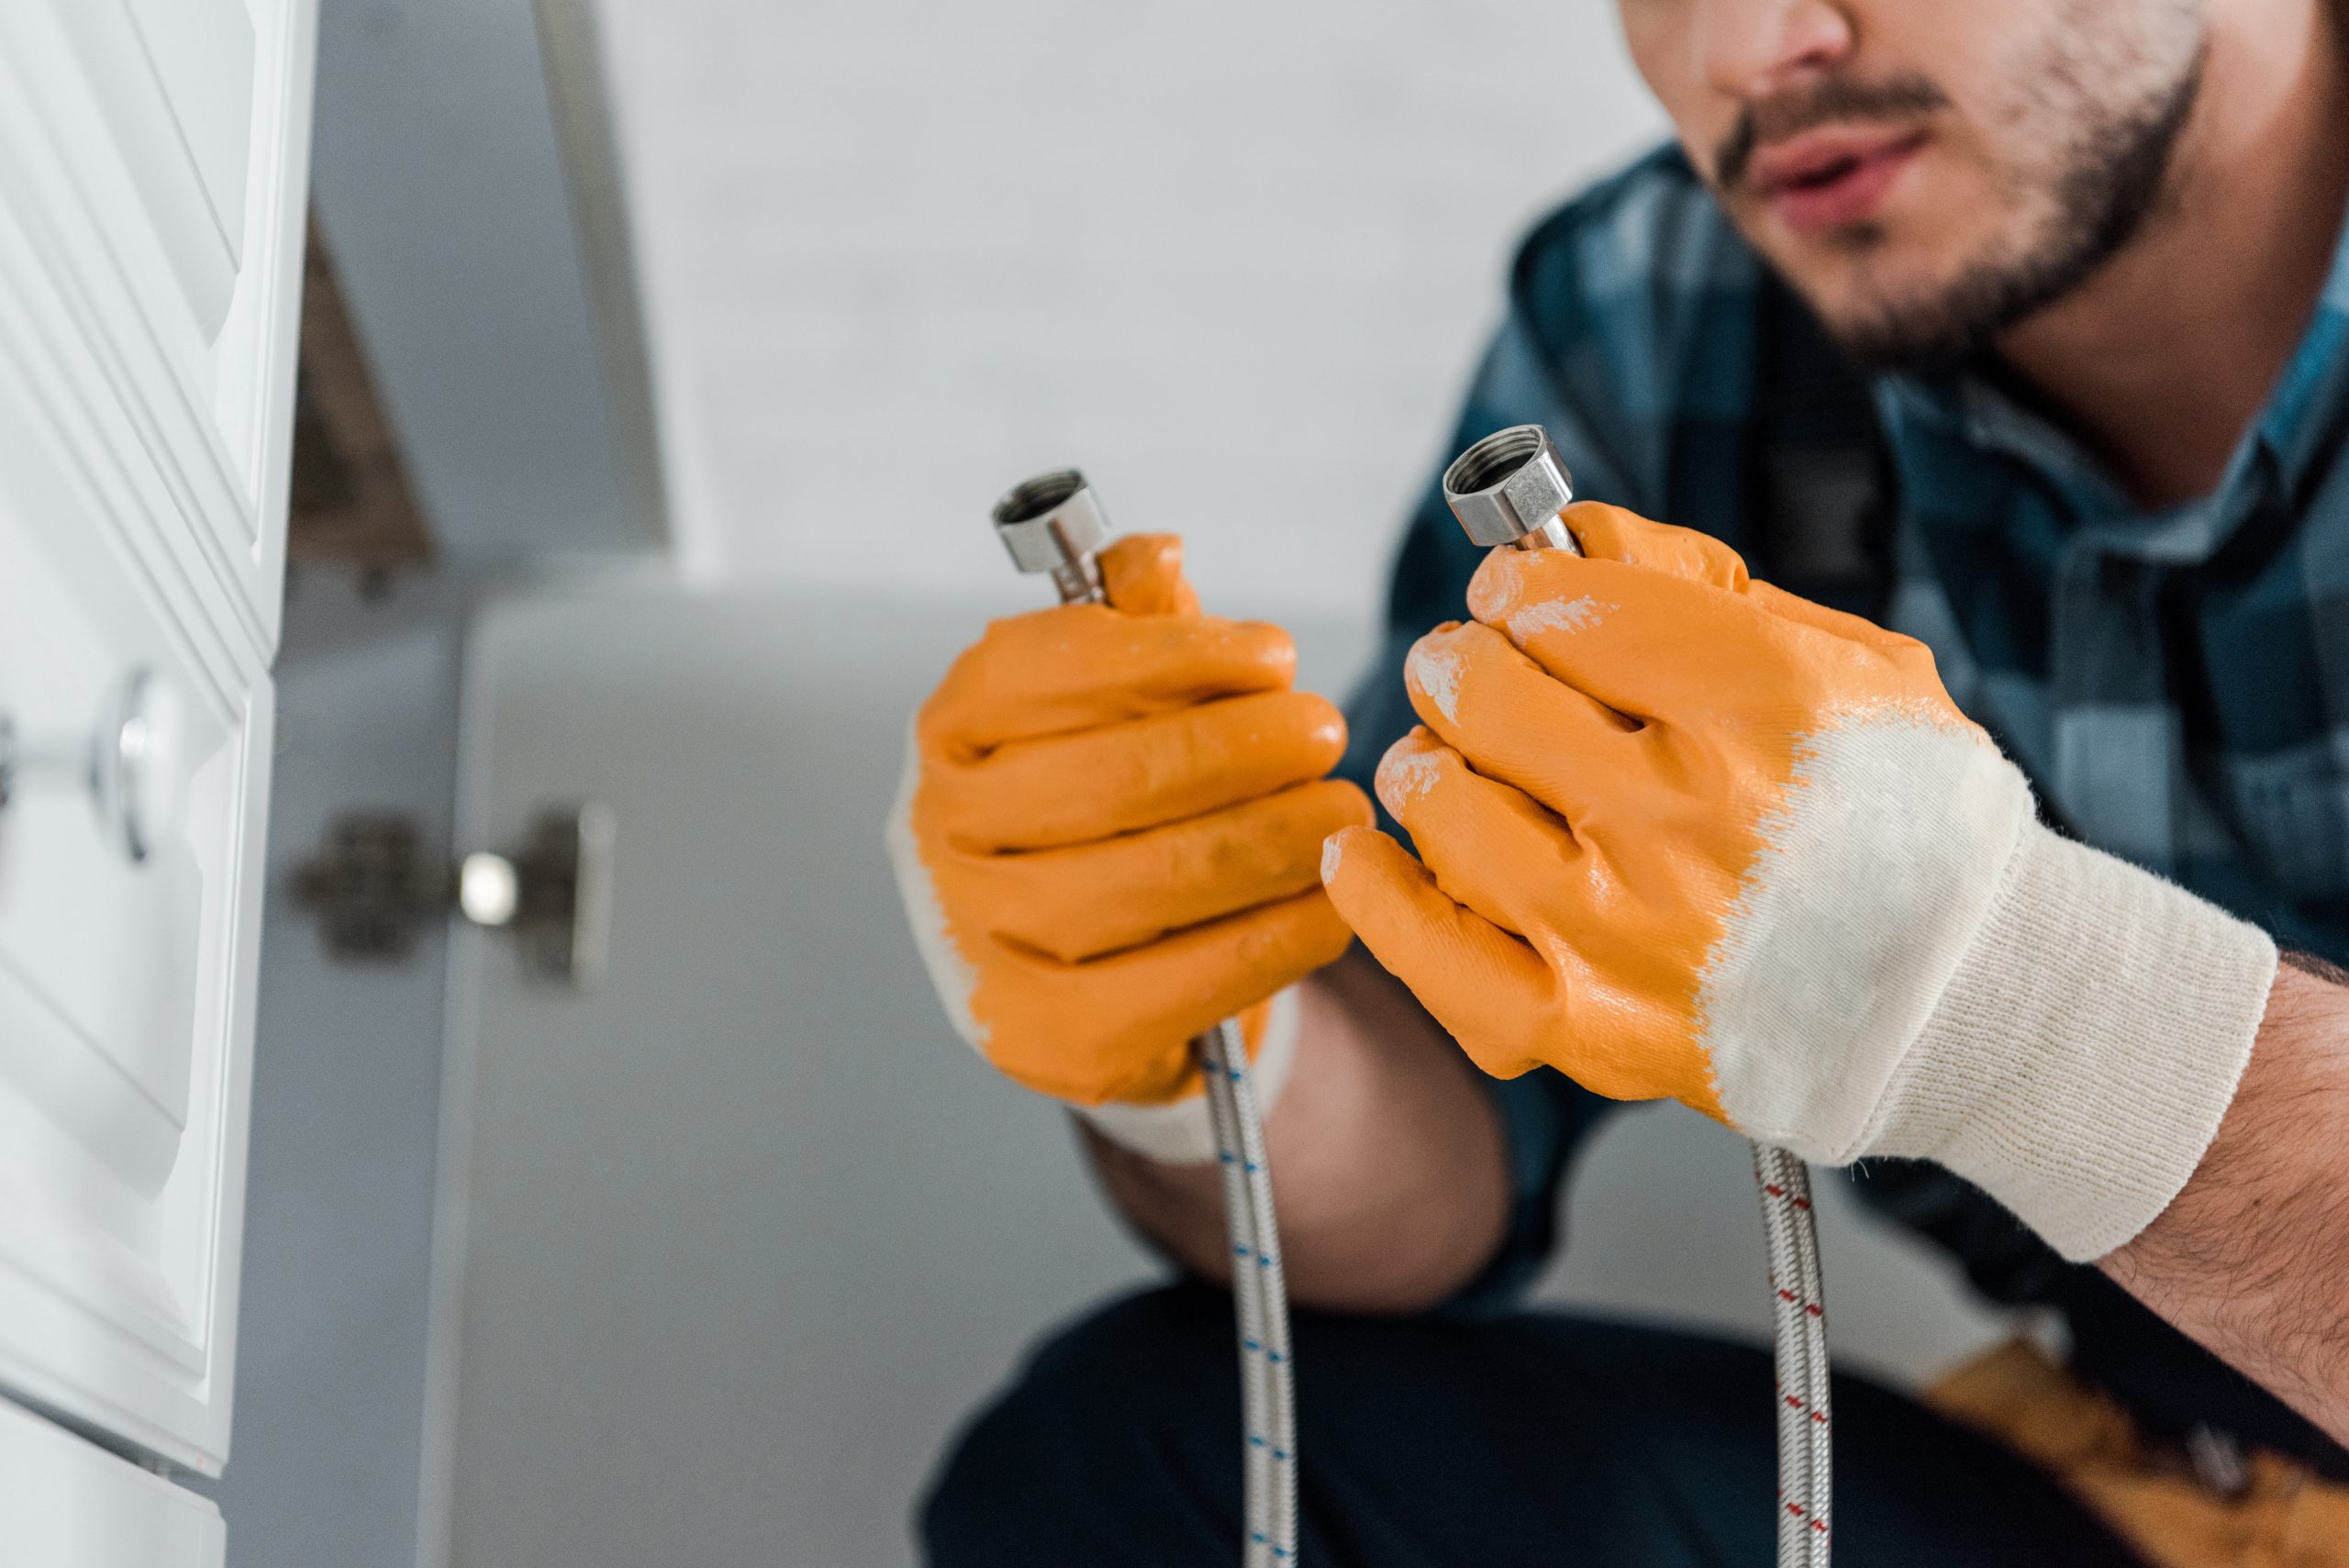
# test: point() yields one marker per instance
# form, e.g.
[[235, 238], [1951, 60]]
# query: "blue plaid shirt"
[[2176, 683]]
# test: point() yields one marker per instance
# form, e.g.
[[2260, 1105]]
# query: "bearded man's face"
[[1927, 172]]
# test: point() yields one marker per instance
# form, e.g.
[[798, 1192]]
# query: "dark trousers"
[[1425, 1443]]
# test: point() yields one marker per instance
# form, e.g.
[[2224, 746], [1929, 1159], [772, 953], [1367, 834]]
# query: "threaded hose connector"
[[1509, 488], [1054, 523]]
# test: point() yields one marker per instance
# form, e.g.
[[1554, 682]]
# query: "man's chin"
[[1905, 343], [1885, 317]]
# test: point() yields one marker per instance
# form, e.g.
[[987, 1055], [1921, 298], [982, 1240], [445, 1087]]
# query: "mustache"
[[1833, 101]]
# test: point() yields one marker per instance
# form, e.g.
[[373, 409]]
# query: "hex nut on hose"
[[1508, 489], [1053, 523]]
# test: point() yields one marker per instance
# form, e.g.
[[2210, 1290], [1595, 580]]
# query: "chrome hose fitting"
[[1053, 523], [1509, 488]]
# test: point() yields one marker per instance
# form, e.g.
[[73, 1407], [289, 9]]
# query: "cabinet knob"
[[129, 764]]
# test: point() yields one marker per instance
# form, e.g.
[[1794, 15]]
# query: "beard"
[[2109, 186], [2103, 181]]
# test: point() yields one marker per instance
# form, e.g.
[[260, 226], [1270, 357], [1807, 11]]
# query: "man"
[[2020, 328]]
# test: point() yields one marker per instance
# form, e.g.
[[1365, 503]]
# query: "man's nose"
[[1750, 50]]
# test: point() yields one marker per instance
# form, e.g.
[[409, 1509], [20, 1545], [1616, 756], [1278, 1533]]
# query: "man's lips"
[[1824, 179]]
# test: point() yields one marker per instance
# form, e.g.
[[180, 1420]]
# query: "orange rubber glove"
[[1108, 838], [1687, 835]]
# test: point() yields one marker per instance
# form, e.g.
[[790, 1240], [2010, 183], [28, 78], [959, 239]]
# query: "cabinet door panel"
[[70, 1505], [153, 161], [153, 153], [202, 52], [125, 78], [126, 986]]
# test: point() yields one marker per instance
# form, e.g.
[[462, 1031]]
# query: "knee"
[[1115, 1426]]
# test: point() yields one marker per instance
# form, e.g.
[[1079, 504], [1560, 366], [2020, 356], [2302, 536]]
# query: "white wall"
[[1233, 257]]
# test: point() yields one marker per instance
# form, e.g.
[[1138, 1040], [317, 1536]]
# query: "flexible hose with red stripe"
[[1799, 1321]]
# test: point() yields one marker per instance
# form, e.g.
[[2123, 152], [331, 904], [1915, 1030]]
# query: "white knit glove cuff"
[[2078, 1063], [1178, 1132]]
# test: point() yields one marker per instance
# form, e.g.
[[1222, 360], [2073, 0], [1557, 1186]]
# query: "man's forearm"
[[1387, 1157], [2252, 1258]]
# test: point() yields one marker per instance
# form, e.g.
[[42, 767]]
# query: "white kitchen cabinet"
[[153, 158]]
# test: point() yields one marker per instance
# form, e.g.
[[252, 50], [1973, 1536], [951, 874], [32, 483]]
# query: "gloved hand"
[[1107, 839], [1687, 835]]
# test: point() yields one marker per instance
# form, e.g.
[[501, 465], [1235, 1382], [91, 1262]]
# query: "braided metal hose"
[[1508, 489], [1800, 1341], [1260, 1300], [1054, 524]]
